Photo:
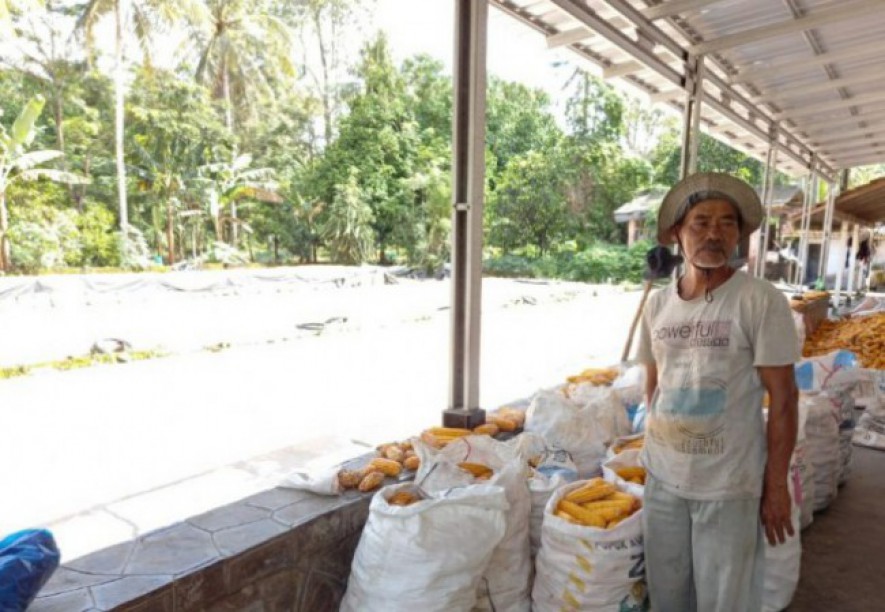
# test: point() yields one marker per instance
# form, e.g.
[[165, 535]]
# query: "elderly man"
[[713, 342]]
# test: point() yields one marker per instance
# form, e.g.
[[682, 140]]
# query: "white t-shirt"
[[705, 437]]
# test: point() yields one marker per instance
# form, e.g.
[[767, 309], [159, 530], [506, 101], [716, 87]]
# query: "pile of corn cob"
[[597, 503]]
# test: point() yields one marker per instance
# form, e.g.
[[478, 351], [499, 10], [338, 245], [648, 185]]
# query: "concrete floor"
[[843, 550]]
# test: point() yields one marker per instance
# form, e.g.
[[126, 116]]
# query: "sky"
[[515, 52]]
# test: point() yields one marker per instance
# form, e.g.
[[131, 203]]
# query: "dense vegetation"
[[263, 143]]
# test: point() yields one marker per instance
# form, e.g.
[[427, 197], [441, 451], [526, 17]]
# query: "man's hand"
[[776, 513]]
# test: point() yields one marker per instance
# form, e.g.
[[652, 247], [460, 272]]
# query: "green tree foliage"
[[379, 138], [518, 120], [529, 206], [173, 132], [713, 156], [347, 230], [17, 163], [599, 175]]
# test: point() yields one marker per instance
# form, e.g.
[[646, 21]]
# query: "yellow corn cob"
[[623, 504], [504, 423], [394, 452], [514, 414], [487, 429], [611, 513], [614, 522], [477, 469], [622, 495], [412, 463], [449, 432], [630, 472], [402, 498], [388, 467], [593, 490], [371, 481], [566, 516], [581, 514]]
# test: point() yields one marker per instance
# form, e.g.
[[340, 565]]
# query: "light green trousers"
[[702, 556]]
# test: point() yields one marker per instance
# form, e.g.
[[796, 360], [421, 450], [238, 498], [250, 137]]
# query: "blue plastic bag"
[[27, 560]]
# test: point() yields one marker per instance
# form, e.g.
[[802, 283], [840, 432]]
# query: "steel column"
[[691, 124], [852, 259], [810, 183], [828, 233], [468, 175], [843, 242], [767, 183]]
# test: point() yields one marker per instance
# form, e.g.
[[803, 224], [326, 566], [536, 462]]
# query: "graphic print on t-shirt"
[[690, 405]]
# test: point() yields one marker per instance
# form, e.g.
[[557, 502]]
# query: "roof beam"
[[861, 159], [803, 90], [840, 125], [674, 7], [630, 67], [859, 134], [859, 146], [585, 14], [842, 12], [823, 107], [652, 32], [798, 65], [568, 37]]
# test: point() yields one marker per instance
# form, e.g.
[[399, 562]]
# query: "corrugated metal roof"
[[805, 67]]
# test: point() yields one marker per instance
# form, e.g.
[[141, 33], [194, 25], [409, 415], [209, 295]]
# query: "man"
[[713, 342]]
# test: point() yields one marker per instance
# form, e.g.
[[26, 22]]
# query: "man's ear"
[[674, 233]]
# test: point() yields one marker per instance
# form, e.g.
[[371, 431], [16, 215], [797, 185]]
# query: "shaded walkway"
[[843, 556]]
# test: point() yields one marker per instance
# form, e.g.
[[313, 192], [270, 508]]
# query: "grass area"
[[84, 361]]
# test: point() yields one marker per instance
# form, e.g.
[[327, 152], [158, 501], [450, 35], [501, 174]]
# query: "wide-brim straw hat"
[[708, 186]]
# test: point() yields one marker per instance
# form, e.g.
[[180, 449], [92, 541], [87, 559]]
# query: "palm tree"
[[18, 164], [242, 51], [145, 15]]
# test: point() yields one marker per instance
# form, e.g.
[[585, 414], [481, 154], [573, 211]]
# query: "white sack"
[[822, 443], [555, 468], [586, 568], [628, 458], [782, 562], [505, 585], [583, 431], [427, 556]]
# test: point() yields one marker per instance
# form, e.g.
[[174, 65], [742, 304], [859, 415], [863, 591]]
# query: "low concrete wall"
[[279, 550]]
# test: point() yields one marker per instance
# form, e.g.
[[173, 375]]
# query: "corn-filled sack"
[[583, 430], [591, 556], [426, 555], [624, 443], [626, 470], [870, 430], [822, 444], [506, 582], [805, 489], [550, 471]]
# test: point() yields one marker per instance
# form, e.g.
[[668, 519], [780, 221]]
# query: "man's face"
[[709, 233]]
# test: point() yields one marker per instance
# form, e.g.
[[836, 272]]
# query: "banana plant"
[[17, 163], [232, 182]]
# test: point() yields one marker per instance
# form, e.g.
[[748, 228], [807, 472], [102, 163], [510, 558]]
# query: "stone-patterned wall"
[[281, 550]]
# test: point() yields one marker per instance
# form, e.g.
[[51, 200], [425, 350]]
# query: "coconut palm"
[[146, 15], [16, 163], [242, 51]]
